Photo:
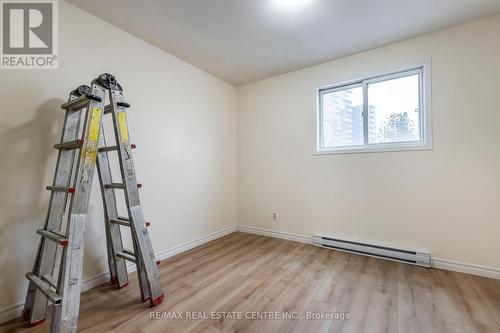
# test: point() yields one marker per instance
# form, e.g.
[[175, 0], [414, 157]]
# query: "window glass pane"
[[342, 120], [393, 110]]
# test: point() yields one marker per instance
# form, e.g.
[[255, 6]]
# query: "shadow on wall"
[[26, 152]]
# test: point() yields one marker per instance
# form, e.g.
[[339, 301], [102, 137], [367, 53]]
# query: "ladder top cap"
[[108, 81], [82, 90]]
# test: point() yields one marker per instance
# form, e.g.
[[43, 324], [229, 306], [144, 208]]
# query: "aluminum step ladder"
[[61, 248]]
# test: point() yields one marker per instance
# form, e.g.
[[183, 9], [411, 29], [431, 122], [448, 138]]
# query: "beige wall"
[[182, 119], [445, 200]]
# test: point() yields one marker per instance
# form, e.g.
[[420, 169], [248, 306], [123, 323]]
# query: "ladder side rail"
[[47, 250], [141, 271], [117, 265], [144, 251], [65, 316], [144, 284]]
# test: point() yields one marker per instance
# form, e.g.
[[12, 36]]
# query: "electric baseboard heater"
[[383, 252]]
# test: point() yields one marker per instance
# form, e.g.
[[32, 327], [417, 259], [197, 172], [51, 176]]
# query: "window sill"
[[374, 149]]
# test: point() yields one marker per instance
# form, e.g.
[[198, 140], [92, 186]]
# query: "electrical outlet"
[[275, 216]]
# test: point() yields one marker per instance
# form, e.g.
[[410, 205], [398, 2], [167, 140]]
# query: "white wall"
[[445, 200], [182, 119]]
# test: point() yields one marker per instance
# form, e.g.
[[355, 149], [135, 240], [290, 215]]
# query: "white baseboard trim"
[[10, 312], [275, 234], [162, 255], [462, 267], [14, 311], [445, 264]]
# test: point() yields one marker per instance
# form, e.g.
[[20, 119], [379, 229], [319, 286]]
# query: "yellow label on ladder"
[[92, 145], [95, 123], [122, 123]]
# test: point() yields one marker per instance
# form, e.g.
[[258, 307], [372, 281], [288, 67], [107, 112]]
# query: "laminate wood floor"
[[250, 276]]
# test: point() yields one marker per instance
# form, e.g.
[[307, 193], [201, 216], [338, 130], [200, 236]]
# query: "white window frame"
[[425, 141]]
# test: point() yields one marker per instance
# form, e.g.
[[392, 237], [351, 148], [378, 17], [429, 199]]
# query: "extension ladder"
[[84, 132]]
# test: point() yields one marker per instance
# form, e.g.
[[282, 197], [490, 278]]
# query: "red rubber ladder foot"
[[114, 280], [124, 286], [37, 322], [26, 314], [157, 301]]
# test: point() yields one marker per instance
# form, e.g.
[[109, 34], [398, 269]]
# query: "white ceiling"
[[242, 41]]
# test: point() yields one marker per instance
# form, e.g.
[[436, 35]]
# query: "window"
[[382, 113]]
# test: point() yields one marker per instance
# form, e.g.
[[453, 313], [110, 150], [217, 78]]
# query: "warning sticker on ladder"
[[122, 123], [92, 145], [128, 166]]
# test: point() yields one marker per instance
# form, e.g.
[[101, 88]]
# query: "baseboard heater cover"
[[383, 252]]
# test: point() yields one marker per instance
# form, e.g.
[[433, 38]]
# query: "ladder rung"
[[61, 189], [44, 288], [107, 108], [126, 222], [50, 280], [111, 148], [80, 102], [114, 185], [70, 145], [76, 104], [121, 221], [123, 104], [129, 252], [119, 185], [126, 256], [53, 236]]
